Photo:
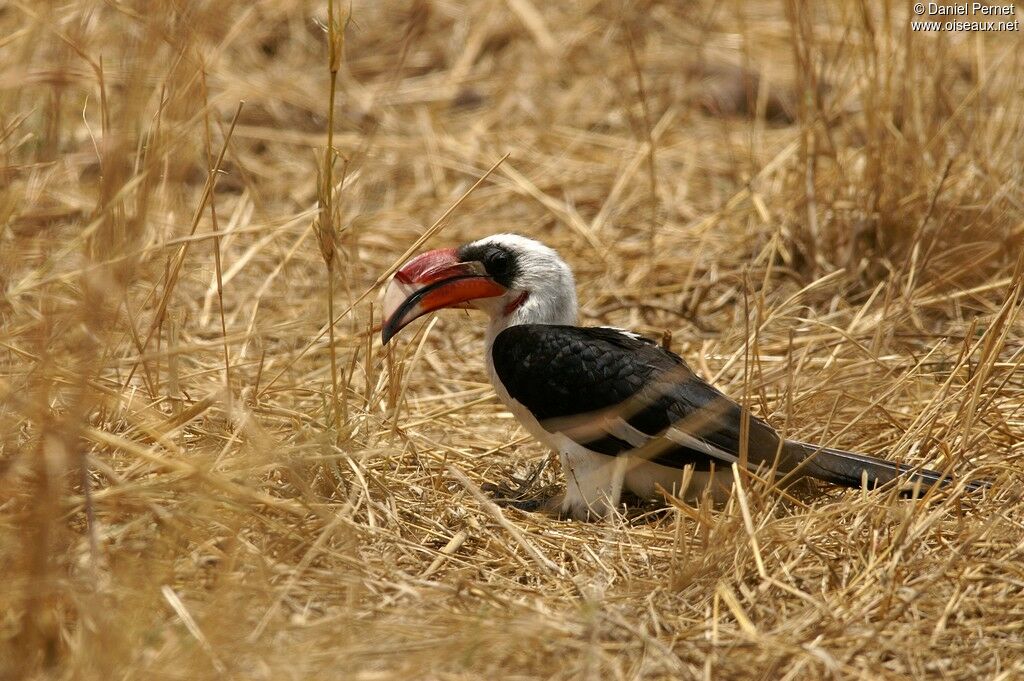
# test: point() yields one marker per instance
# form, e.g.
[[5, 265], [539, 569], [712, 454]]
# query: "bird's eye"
[[497, 261]]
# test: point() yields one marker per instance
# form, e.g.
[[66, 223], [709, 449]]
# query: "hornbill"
[[621, 411]]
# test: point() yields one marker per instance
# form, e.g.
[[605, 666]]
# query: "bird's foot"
[[526, 505], [524, 494]]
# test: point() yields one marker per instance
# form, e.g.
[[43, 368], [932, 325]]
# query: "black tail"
[[849, 469]]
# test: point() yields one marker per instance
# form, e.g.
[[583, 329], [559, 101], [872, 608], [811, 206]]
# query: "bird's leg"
[[593, 486]]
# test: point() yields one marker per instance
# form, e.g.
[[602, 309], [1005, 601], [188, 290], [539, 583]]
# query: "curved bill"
[[432, 281]]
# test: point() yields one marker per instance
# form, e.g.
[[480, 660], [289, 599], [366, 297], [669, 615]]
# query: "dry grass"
[[195, 483]]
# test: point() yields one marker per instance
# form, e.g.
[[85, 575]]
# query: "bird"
[[622, 412]]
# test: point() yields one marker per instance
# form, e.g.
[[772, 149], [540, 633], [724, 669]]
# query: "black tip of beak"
[[388, 330]]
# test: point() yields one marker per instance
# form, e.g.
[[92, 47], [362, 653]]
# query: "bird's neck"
[[532, 308]]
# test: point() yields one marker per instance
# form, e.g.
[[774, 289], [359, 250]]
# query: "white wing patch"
[[629, 334], [687, 440], [622, 430]]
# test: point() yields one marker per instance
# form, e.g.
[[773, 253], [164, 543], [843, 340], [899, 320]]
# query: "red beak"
[[432, 281]]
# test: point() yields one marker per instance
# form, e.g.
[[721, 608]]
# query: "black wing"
[[615, 392]]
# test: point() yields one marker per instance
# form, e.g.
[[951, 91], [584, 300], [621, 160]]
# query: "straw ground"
[[201, 477]]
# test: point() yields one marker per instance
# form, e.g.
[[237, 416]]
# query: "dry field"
[[200, 477]]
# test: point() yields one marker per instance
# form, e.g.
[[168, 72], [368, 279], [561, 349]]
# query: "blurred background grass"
[[820, 206]]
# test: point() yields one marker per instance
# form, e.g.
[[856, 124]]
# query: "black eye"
[[498, 262]]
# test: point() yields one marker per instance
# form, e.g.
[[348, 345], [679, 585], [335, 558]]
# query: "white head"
[[513, 279]]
